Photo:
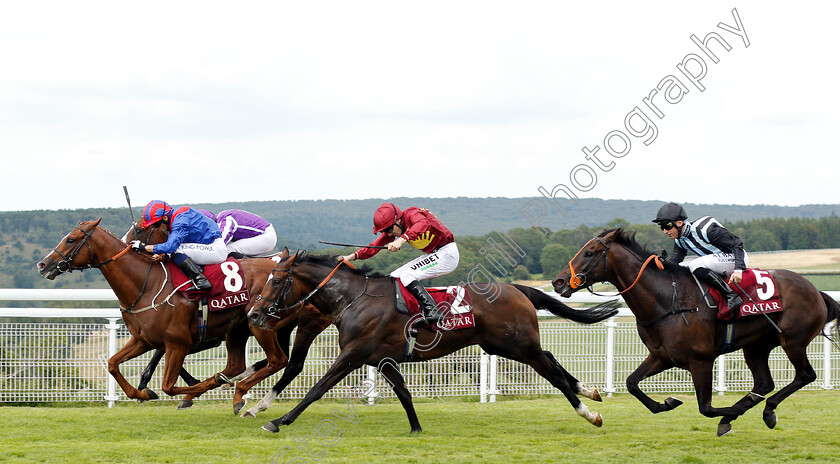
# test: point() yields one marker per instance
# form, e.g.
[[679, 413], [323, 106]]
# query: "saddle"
[[227, 278], [454, 301], [759, 292]]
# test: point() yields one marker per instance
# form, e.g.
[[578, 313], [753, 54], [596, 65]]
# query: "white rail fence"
[[53, 361]]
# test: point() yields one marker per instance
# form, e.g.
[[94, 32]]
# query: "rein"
[[579, 280]]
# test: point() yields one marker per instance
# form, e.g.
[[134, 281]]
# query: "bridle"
[[273, 308], [579, 280], [65, 266]]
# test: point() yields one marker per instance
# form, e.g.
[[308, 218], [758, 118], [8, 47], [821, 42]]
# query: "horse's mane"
[[332, 261], [627, 239]]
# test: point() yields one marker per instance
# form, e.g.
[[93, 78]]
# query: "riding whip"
[[125, 189], [352, 245]]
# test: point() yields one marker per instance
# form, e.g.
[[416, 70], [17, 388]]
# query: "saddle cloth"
[[227, 278], [762, 295], [453, 301]]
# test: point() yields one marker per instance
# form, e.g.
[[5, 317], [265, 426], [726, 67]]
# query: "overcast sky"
[[205, 102]]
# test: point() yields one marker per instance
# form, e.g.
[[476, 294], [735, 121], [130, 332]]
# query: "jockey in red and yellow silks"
[[422, 230]]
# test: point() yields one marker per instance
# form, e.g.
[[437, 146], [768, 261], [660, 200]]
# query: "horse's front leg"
[[133, 348], [651, 366], [276, 360], [308, 328], [346, 362]]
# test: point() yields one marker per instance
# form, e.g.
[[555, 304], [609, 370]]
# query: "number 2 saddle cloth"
[[454, 302], [759, 292], [227, 278]]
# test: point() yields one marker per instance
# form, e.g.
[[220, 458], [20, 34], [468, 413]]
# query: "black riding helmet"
[[669, 214]]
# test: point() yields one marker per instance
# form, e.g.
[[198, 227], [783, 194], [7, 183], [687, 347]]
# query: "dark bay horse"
[[309, 325], [372, 332], [158, 317], [680, 330]]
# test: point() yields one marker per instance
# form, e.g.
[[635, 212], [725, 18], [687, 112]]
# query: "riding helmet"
[[155, 211], [670, 212], [384, 217]]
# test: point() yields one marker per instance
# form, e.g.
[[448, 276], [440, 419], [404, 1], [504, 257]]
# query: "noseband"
[[64, 265], [579, 280]]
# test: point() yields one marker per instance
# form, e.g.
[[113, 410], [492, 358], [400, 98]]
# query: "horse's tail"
[[541, 300], [833, 314]]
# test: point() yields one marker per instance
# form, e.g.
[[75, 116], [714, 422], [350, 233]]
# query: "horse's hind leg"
[[146, 376], [577, 387], [757, 361], [804, 375], [540, 362], [651, 366]]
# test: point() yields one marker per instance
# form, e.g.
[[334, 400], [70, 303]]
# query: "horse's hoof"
[[723, 429], [596, 395], [418, 430], [152, 395], [185, 404], [247, 414], [238, 407], [599, 421], [770, 419], [672, 403], [270, 427]]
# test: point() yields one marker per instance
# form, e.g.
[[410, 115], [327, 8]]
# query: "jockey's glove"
[[138, 245]]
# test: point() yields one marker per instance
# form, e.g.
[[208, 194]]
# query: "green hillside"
[[545, 236]]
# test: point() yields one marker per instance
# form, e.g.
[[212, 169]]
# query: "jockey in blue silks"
[[194, 239]]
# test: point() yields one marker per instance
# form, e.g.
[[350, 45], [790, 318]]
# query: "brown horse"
[[158, 317], [680, 330], [309, 325], [372, 332]]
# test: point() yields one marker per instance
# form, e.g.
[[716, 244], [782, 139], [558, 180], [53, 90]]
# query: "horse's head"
[[586, 267], [71, 252], [271, 308], [154, 234]]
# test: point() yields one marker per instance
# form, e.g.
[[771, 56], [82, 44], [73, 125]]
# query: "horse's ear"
[[302, 253], [94, 224], [284, 253]]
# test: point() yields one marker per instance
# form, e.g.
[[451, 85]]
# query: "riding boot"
[[193, 272], [714, 280], [428, 309]]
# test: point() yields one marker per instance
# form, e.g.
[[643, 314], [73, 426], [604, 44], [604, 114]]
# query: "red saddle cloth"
[[762, 296], [227, 278], [454, 302]]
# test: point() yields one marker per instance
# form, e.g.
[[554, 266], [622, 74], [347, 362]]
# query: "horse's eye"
[[588, 254], [71, 240], [277, 282]]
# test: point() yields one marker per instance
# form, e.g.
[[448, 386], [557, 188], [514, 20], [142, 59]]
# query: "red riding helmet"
[[384, 217], [155, 211]]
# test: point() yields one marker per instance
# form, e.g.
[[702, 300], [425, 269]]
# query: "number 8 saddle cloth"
[[227, 278]]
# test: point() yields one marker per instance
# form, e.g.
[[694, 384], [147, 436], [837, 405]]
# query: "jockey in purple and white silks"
[[246, 233]]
